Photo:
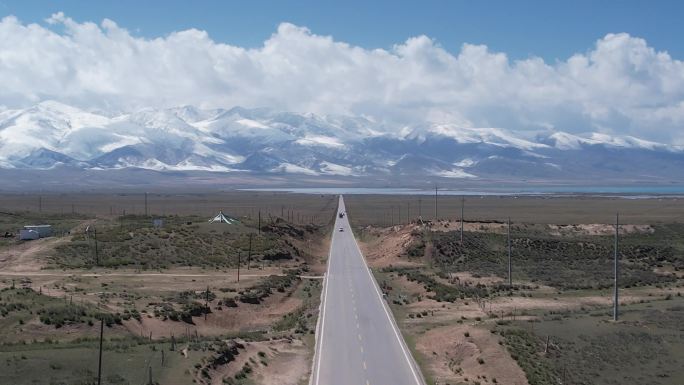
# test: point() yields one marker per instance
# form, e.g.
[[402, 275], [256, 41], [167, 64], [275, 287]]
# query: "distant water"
[[634, 192]]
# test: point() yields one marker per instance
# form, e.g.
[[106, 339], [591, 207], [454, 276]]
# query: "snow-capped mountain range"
[[52, 135]]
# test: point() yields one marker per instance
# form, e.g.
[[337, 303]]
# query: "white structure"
[[220, 218], [42, 230], [28, 235]]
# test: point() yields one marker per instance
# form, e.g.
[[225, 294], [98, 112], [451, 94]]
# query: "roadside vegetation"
[[169, 295], [133, 242], [554, 325]]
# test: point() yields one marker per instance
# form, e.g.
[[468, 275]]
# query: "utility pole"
[[420, 206], [146, 203], [259, 222], [206, 304], [408, 212], [435, 203], [99, 364], [97, 257], [40, 204], [150, 375], [462, 204], [238, 274], [510, 275], [249, 253], [616, 268]]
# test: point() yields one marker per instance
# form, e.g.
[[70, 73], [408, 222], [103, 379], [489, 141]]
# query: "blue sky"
[[607, 67], [549, 29]]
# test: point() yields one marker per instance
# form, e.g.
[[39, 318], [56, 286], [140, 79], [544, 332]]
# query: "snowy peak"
[[186, 138], [566, 141]]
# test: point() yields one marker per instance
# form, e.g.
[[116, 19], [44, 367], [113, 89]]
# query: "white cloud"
[[621, 85]]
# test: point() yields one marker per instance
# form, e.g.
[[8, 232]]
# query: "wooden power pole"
[[99, 364], [206, 304], [97, 256], [249, 253], [462, 204], [616, 269], [238, 272], [510, 271], [435, 203]]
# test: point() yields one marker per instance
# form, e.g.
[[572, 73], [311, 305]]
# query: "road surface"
[[357, 340]]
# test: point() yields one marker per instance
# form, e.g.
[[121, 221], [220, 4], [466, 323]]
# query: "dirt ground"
[[24, 257], [456, 349], [598, 229], [382, 246], [275, 360], [454, 340], [243, 318]]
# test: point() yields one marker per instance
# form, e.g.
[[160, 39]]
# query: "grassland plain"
[[169, 295], [384, 210], [467, 326], [296, 208]]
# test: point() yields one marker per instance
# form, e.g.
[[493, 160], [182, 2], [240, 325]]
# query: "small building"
[[42, 230], [158, 223], [28, 235]]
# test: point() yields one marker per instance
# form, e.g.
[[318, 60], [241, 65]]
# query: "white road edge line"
[[412, 364], [320, 325]]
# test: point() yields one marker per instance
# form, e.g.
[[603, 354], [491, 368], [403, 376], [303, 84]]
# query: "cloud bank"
[[619, 86]]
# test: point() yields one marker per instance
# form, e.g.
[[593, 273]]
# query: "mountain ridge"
[[53, 135]]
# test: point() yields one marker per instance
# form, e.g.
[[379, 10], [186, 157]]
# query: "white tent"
[[220, 218]]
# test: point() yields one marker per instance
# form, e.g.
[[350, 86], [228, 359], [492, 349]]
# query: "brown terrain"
[[454, 340]]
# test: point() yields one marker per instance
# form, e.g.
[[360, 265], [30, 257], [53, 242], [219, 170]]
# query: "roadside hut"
[[42, 230], [28, 235]]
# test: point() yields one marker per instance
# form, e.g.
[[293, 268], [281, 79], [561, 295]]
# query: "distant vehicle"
[[341, 215], [341, 229]]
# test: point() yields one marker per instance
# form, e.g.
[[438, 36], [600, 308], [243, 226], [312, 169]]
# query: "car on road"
[[341, 228]]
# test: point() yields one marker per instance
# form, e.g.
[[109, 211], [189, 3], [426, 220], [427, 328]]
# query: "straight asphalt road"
[[357, 340]]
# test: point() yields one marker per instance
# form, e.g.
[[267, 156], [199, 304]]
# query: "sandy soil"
[[25, 256], [455, 356], [478, 227], [284, 362], [242, 318], [289, 363], [597, 229], [319, 249], [467, 278], [384, 246]]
